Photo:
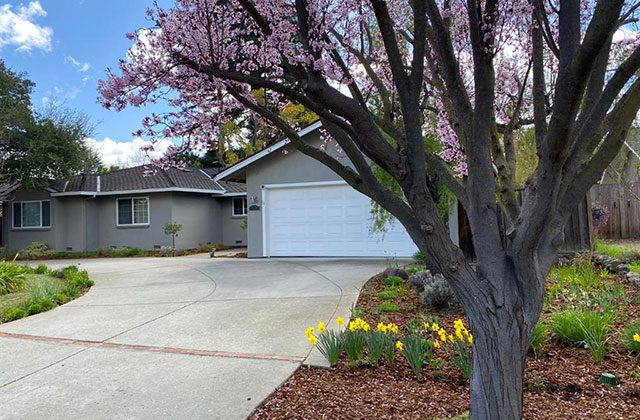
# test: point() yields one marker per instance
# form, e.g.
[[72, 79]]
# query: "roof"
[[138, 180], [264, 152]]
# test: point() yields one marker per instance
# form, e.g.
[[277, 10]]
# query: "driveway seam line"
[[41, 368], [87, 344]]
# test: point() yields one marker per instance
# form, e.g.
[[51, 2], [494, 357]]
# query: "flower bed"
[[561, 380]]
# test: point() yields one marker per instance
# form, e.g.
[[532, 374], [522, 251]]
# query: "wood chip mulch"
[[561, 383]]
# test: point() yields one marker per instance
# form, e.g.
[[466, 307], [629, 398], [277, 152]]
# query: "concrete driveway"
[[188, 337]]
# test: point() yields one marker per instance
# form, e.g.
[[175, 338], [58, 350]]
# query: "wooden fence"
[[623, 205], [577, 230]]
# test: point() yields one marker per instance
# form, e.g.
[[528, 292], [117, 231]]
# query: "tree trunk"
[[499, 353]]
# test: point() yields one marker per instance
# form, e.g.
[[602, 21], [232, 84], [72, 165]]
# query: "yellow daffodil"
[[313, 339], [309, 332], [459, 334], [321, 327], [442, 334], [435, 326], [436, 344], [636, 338], [382, 327], [458, 324], [340, 321], [353, 326], [392, 327], [399, 345], [451, 338], [470, 338]]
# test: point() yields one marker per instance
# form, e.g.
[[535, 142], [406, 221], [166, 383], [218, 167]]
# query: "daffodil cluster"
[[359, 324], [387, 328], [310, 333]]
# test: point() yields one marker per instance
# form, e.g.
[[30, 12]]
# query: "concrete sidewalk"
[[173, 337]]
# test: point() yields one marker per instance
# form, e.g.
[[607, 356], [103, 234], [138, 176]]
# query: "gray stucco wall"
[[88, 223], [16, 239], [282, 167], [200, 219], [232, 232]]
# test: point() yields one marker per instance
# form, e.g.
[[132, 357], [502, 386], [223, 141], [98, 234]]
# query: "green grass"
[[578, 328], [582, 275], [42, 292], [624, 252], [634, 266]]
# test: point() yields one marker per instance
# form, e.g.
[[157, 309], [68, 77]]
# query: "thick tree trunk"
[[499, 353]]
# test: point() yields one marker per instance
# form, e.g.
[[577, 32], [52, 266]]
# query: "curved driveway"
[[188, 337]]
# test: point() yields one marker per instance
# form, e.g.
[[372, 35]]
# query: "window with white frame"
[[31, 214], [133, 211], [240, 206]]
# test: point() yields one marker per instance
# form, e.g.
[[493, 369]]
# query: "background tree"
[[37, 147], [384, 76]]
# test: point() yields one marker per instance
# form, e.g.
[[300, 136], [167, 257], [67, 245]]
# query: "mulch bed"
[[561, 383]]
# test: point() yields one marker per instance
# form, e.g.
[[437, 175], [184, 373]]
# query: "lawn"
[[589, 322], [38, 289]]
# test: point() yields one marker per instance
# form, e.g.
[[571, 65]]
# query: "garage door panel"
[[329, 220]]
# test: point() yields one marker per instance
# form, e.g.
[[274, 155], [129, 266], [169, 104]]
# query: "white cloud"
[[127, 154], [17, 29], [82, 67]]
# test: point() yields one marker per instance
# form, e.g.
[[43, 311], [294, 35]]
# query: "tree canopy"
[[36, 147], [384, 77]]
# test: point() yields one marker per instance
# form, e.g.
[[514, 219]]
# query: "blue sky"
[[65, 46]]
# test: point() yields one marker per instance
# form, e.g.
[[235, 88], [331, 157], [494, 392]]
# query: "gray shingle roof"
[[137, 178]]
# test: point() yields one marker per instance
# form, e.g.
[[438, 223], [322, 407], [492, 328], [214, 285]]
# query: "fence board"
[[623, 205]]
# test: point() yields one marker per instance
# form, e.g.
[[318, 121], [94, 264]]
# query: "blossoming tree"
[[383, 76]]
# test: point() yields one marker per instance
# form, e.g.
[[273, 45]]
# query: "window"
[[31, 214], [240, 206], [133, 211]]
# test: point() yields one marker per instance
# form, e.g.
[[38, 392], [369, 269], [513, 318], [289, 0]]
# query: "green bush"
[[393, 281], [437, 292], [390, 293], [36, 249], [41, 269], [420, 258], [539, 338], [631, 337], [15, 313], [61, 298], [12, 277], [40, 304], [389, 307]]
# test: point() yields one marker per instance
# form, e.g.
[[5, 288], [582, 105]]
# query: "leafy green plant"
[[420, 258], [578, 328], [12, 277], [539, 338], [634, 266], [355, 312], [582, 275], [393, 281], [388, 307], [330, 344], [623, 252], [37, 249], [40, 304], [354, 344], [378, 343], [172, 229], [417, 350], [393, 292], [15, 313], [631, 337]]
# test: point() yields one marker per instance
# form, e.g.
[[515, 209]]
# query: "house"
[[126, 208], [299, 207]]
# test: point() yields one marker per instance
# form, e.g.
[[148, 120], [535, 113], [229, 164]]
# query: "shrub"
[[390, 293], [420, 258], [389, 307], [416, 351], [41, 269], [123, 251], [437, 292], [539, 338], [15, 313], [61, 298], [393, 281], [40, 304], [36, 249], [12, 277], [631, 337]]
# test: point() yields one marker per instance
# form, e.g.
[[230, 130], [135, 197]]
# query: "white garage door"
[[326, 221]]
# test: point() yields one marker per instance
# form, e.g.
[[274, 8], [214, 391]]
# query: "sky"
[[65, 47]]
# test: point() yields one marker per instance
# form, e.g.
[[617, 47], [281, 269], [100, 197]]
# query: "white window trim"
[[13, 219], [245, 207], [118, 224]]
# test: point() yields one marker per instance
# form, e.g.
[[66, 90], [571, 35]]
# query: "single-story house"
[[277, 202], [299, 207], [126, 208]]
